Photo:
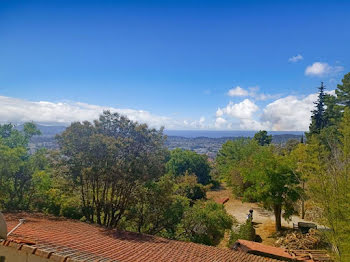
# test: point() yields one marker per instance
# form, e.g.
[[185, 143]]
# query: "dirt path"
[[264, 220]]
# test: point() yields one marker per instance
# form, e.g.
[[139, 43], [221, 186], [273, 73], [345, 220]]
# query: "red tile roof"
[[58, 239], [281, 253], [261, 249]]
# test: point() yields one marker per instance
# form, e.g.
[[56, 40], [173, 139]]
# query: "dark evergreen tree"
[[333, 111], [318, 115], [343, 91], [263, 138]]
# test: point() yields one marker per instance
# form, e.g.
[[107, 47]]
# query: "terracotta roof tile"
[[62, 240], [257, 248]]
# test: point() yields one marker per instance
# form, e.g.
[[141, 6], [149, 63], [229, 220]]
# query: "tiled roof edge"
[[38, 252]]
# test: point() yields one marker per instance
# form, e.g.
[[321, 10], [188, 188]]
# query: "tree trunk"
[[302, 208], [278, 212], [303, 203]]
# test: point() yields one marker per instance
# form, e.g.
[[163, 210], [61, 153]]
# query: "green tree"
[[234, 156], [343, 91], [318, 114], [273, 183], [108, 159], [157, 209], [13, 138], [17, 166], [306, 164], [187, 186], [244, 231], [330, 188], [204, 223], [333, 111], [263, 138], [185, 161]]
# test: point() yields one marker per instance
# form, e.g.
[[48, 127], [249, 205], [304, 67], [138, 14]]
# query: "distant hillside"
[[47, 137], [210, 146], [187, 140], [47, 130], [282, 139]]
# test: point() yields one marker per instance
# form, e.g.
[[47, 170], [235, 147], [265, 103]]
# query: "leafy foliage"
[[108, 159], [204, 223], [231, 159], [273, 183], [17, 167], [263, 138], [343, 91], [244, 231], [186, 161], [188, 187], [157, 209], [329, 187], [318, 120]]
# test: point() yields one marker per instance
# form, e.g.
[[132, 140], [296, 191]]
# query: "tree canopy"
[[318, 114], [185, 161], [263, 138], [108, 159], [343, 91], [273, 183]]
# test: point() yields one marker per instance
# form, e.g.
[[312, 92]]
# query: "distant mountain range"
[[53, 130], [201, 141], [220, 134]]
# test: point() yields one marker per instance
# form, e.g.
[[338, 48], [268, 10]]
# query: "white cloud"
[[254, 92], [284, 114], [322, 69], [195, 124], [289, 113], [220, 122], [244, 109], [238, 91], [296, 58], [251, 124], [251, 92], [243, 112], [219, 112], [19, 110]]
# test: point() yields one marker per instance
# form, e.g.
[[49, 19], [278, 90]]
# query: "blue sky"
[[171, 63]]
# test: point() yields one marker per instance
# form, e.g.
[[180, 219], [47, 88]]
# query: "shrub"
[[245, 231], [204, 223]]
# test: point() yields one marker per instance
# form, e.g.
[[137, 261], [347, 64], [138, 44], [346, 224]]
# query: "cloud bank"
[[290, 113], [18, 110]]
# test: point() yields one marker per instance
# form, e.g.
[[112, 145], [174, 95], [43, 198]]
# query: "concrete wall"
[[12, 254]]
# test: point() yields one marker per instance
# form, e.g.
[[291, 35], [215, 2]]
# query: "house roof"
[[60, 239], [281, 253], [261, 249]]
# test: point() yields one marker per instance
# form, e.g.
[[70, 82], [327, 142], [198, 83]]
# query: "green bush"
[[71, 208], [245, 231], [204, 223], [188, 186]]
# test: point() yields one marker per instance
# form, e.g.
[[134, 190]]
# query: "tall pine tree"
[[318, 115], [343, 91]]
